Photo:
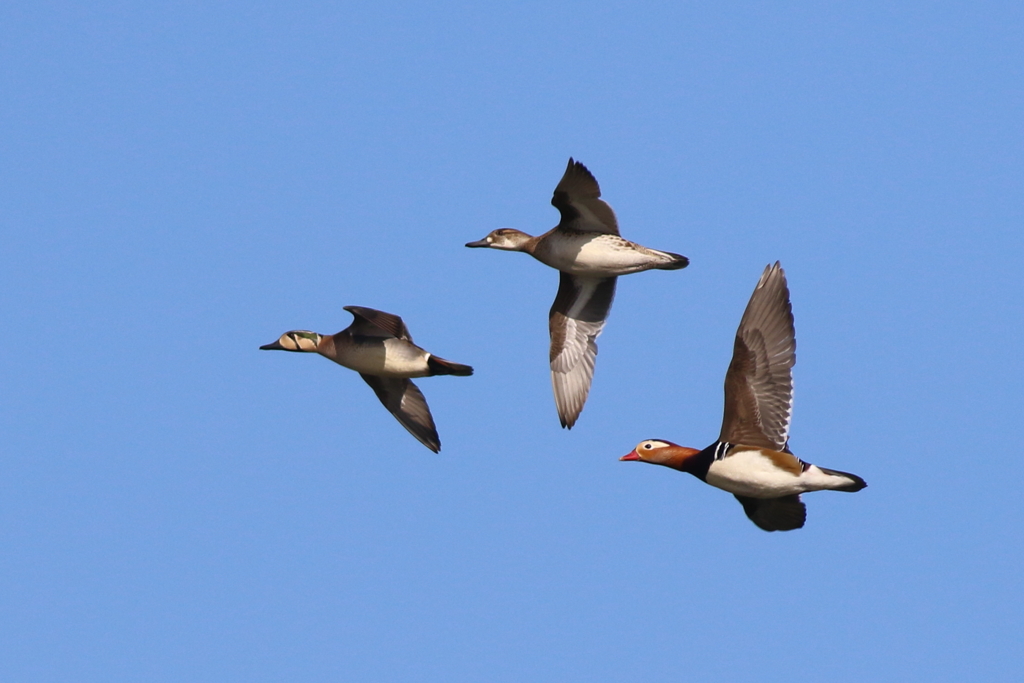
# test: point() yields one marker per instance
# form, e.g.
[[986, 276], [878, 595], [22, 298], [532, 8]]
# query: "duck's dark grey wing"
[[370, 322], [577, 199], [759, 382], [775, 514], [405, 401], [576, 319]]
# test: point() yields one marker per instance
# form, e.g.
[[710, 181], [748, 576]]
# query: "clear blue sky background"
[[180, 183]]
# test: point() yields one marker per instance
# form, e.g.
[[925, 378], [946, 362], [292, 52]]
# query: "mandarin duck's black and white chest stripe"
[[751, 458], [590, 254], [379, 347]]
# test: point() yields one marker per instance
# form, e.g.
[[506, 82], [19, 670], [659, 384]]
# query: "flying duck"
[[586, 248], [751, 458], [379, 347]]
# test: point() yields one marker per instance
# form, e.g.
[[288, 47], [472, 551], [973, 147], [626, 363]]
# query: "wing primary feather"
[[370, 322], [577, 198], [406, 402], [576, 319], [759, 381]]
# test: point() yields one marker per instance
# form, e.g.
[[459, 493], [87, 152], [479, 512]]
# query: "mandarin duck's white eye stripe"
[[379, 347], [585, 247]]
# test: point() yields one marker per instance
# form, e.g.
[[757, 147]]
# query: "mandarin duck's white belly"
[[759, 473]]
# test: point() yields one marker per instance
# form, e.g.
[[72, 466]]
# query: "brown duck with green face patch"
[[586, 248], [751, 458], [379, 347]]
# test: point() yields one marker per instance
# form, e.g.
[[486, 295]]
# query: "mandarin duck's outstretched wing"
[[759, 382]]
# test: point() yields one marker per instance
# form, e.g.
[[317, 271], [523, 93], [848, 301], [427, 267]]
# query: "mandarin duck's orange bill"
[[586, 247], [751, 458]]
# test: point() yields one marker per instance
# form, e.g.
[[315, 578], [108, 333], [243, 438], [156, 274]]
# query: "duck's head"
[[664, 453], [296, 340], [507, 239]]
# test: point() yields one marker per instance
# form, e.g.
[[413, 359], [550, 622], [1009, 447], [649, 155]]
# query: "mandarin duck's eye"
[[648, 446]]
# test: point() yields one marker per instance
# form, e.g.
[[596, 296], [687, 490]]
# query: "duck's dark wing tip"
[[406, 402], [389, 323], [775, 514], [571, 390], [577, 198]]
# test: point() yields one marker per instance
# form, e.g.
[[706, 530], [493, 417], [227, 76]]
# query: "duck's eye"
[[648, 446]]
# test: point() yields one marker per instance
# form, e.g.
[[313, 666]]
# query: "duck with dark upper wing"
[[379, 347], [586, 248], [751, 458]]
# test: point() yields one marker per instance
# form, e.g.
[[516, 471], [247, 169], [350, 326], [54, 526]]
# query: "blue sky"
[[181, 183]]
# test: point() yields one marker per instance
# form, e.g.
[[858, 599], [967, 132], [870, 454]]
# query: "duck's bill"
[[276, 346], [478, 243], [630, 456]]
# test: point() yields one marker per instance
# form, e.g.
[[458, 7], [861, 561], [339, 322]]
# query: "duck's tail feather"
[[856, 483], [440, 366], [678, 261]]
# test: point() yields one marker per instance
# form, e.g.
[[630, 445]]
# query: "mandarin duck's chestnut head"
[[657, 452]]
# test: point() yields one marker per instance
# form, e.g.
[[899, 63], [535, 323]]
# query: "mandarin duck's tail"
[[856, 483]]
